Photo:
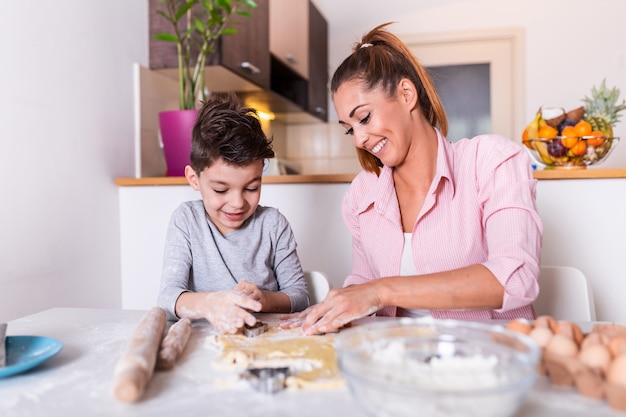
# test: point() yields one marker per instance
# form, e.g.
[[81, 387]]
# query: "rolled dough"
[[311, 359]]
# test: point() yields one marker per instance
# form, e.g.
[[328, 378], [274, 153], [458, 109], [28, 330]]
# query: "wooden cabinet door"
[[318, 64], [289, 28], [247, 52]]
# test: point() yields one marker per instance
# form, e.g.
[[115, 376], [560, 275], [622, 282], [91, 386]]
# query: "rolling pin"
[[173, 344], [134, 369]]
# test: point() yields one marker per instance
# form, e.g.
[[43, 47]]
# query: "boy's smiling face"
[[230, 193]]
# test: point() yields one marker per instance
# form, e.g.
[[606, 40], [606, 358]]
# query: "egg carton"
[[594, 363]]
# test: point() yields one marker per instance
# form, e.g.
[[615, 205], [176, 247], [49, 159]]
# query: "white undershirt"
[[407, 267]]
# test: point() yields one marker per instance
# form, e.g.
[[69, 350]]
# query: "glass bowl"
[[565, 152], [436, 367]]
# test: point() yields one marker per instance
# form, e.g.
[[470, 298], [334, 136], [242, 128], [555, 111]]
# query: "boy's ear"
[[192, 177]]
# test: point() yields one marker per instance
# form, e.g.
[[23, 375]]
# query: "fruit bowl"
[[436, 367], [571, 152]]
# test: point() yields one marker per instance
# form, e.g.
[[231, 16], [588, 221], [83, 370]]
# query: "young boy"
[[225, 255]]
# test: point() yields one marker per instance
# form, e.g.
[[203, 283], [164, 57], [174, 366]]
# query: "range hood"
[[219, 79]]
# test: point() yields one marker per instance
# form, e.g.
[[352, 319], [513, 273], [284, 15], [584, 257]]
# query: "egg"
[[546, 321], [616, 373], [594, 338], [617, 345], [571, 330], [596, 356], [520, 326], [541, 335], [562, 346]]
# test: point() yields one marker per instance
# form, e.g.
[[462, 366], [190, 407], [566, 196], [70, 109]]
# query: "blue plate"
[[26, 352]]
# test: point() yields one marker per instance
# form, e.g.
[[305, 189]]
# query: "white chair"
[[565, 294], [318, 284]]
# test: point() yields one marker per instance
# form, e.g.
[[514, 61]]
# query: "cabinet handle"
[[320, 110], [291, 59], [250, 68]]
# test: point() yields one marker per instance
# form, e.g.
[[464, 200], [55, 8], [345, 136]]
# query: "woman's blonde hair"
[[381, 59]]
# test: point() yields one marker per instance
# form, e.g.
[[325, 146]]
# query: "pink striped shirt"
[[480, 209]]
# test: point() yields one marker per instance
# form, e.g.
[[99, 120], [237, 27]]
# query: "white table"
[[77, 382]]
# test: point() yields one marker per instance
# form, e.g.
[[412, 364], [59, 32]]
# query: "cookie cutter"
[[253, 331], [267, 380]]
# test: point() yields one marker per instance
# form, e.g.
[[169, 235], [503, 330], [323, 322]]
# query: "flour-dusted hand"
[[251, 290], [228, 311], [340, 307], [271, 301]]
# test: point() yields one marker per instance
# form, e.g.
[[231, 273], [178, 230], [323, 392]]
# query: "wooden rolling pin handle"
[[174, 343], [136, 366]]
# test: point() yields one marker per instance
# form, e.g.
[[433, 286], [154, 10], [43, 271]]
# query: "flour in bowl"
[[444, 371]]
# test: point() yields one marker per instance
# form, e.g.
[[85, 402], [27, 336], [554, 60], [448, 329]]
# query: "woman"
[[439, 228]]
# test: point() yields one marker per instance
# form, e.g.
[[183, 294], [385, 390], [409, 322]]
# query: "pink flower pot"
[[176, 127]]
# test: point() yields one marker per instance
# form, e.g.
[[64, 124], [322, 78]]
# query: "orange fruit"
[[547, 132], [569, 137], [579, 148], [583, 128], [525, 140], [597, 138]]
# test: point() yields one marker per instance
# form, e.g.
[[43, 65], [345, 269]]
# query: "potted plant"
[[196, 25]]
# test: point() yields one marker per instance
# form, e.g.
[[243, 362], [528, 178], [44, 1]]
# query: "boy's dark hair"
[[225, 129]]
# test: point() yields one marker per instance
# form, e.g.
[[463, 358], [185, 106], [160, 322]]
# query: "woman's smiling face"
[[230, 193], [377, 123]]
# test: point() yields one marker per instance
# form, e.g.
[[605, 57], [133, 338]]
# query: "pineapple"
[[602, 110]]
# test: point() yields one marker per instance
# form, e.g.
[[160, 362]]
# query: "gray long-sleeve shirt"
[[199, 258]]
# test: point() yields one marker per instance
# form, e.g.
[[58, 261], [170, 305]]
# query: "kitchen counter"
[[78, 381], [552, 174]]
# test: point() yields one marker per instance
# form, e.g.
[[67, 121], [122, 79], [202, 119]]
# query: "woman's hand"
[[340, 307]]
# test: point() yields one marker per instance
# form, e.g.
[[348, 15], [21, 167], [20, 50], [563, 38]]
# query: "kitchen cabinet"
[[310, 91], [289, 34], [318, 64], [246, 53], [293, 84]]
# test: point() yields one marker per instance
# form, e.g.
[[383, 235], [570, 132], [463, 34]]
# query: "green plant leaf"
[[184, 9], [167, 37], [200, 26], [224, 4]]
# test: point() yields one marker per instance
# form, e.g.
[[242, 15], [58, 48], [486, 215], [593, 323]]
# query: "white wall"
[[66, 131], [66, 116]]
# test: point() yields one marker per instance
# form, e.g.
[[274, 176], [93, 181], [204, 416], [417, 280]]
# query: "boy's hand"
[[230, 310], [271, 301], [251, 290]]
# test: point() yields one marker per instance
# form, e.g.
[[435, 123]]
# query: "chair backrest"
[[318, 284], [565, 294]]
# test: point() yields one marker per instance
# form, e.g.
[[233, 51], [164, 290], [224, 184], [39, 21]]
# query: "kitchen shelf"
[[553, 174], [269, 179], [589, 173]]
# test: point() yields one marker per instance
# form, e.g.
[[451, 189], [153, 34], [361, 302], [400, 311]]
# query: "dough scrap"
[[311, 359]]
